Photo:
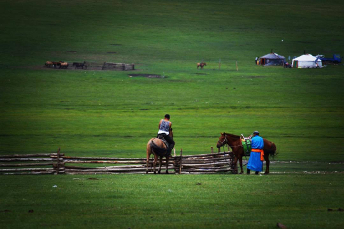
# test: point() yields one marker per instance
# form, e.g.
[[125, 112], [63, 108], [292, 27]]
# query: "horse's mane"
[[232, 135]]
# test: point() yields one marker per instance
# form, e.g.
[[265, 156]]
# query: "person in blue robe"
[[255, 162]]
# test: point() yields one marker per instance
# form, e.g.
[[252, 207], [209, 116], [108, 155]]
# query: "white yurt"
[[306, 61]]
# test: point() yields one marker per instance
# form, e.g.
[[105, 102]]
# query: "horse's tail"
[[273, 150], [158, 150]]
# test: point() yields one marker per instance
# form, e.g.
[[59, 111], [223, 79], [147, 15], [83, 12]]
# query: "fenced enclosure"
[[58, 163], [118, 66], [86, 65]]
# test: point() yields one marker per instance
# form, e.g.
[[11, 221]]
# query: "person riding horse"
[[165, 126]]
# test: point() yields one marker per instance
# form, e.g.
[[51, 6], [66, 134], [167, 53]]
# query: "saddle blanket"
[[246, 144]]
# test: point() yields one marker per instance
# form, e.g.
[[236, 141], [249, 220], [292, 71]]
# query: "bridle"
[[225, 142]]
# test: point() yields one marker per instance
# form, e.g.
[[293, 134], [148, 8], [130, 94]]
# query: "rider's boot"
[[248, 171]]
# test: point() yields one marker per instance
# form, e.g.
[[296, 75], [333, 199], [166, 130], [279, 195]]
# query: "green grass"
[[190, 201], [96, 113], [108, 113]]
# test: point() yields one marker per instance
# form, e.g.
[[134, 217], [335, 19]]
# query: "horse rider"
[[165, 126], [255, 162]]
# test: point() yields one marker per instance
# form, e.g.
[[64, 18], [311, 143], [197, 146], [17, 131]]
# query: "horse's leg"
[[167, 158], [235, 165], [148, 156], [154, 163], [267, 169], [240, 161], [160, 164]]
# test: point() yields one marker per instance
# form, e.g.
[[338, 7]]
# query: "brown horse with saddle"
[[158, 147], [162, 145], [234, 141]]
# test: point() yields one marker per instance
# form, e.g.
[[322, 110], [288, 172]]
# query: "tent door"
[[296, 64], [262, 61]]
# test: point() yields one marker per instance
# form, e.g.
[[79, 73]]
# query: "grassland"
[[218, 201], [108, 113]]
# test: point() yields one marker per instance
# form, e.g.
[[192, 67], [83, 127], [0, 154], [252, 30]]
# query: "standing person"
[[255, 162], [165, 126]]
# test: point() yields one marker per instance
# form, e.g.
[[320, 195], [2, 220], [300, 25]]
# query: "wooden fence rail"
[[58, 163], [118, 66]]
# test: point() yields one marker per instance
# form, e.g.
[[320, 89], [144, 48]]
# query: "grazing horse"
[[234, 141], [201, 65], [157, 147]]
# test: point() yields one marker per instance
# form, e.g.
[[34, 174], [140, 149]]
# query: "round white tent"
[[306, 61]]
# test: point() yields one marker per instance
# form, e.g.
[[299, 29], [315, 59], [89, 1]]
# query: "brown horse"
[[234, 141], [63, 64], [201, 65], [49, 64], [56, 64], [157, 147]]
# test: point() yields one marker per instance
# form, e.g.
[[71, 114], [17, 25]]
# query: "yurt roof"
[[306, 57], [273, 56]]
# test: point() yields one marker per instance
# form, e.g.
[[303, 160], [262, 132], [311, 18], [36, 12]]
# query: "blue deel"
[[257, 142], [254, 163]]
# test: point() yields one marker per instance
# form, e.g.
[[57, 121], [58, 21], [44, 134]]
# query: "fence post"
[[181, 161], [212, 149], [57, 165]]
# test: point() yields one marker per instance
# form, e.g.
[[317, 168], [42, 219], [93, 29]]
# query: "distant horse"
[[201, 65], [49, 64], [56, 64], [157, 147], [63, 64], [80, 65], [234, 142]]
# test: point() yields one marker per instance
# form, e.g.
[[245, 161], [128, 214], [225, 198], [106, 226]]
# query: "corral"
[[58, 163], [90, 66], [118, 66]]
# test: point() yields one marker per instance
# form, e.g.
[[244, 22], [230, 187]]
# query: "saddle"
[[246, 144], [161, 137], [158, 150]]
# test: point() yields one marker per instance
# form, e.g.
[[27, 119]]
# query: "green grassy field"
[[108, 113], [171, 201]]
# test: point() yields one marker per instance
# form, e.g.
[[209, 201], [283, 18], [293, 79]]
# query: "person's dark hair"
[[167, 116]]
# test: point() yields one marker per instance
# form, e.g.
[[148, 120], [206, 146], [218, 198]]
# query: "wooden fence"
[[58, 163], [118, 66]]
